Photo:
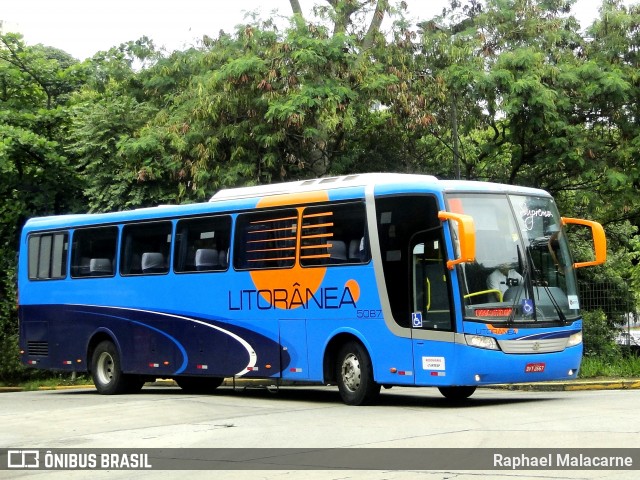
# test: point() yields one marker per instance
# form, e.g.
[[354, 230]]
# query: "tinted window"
[[145, 248], [202, 244], [94, 252], [333, 235], [48, 255], [266, 240]]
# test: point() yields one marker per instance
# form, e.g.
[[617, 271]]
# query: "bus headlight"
[[480, 341], [575, 339]]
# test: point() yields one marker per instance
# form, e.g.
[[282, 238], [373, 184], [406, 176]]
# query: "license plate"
[[534, 367]]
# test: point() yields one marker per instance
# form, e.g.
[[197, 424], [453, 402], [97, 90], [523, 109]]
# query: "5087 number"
[[369, 313]]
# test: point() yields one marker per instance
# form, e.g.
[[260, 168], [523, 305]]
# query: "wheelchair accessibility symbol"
[[527, 306], [416, 319]]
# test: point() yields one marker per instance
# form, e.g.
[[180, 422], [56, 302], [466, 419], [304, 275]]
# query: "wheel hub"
[[351, 372], [105, 368]]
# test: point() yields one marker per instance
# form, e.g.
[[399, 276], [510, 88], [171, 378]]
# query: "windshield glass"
[[523, 271]]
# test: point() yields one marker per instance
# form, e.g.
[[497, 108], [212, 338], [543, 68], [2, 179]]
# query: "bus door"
[[431, 316]]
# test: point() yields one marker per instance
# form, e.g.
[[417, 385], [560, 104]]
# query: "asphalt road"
[[314, 417]]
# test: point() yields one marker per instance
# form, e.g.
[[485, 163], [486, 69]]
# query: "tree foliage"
[[36, 176]]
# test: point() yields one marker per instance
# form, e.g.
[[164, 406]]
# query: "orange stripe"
[[319, 235], [318, 225], [273, 259], [267, 220], [293, 199], [312, 215], [271, 249], [308, 247], [286, 229], [269, 240]]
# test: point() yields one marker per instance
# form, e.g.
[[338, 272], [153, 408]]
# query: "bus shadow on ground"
[[420, 397]]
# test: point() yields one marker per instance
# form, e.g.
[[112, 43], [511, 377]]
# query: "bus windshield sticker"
[[527, 306], [574, 304]]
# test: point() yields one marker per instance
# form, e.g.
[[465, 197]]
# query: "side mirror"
[[599, 240], [466, 236]]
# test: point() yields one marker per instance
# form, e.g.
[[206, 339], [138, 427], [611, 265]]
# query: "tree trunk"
[[374, 26]]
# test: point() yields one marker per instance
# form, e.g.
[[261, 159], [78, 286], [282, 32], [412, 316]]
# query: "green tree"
[[253, 107], [122, 166], [613, 108], [537, 103], [37, 177]]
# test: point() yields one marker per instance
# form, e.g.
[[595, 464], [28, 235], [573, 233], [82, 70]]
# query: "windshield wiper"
[[541, 282], [526, 274]]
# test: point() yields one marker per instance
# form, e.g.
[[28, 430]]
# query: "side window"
[[145, 249], [202, 244], [334, 235], [47, 255], [266, 240], [94, 252]]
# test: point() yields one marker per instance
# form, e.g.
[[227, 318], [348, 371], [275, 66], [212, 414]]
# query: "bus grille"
[[534, 346], [38, 349]]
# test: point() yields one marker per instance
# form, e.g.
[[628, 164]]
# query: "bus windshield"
[[523, 271]]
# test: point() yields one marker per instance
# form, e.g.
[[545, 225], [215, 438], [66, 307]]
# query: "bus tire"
[[107, 373], [354, 374], [199, 384], [457, 394]]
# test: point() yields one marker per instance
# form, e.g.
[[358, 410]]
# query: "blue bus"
[[359, 281]]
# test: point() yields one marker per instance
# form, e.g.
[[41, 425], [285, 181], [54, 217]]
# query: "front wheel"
[[354, 373], [457, 393], [107, 373]]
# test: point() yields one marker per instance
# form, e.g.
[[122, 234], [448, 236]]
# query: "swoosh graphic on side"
[[174, 340], [253, 357]]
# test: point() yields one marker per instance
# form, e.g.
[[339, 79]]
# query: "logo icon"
[[416, 319], [23, 459]]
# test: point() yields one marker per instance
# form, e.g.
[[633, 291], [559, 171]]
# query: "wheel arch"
[[333, 347], [96, 338]]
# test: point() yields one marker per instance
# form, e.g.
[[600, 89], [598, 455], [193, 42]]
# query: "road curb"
[[55, 387], [576, 385]]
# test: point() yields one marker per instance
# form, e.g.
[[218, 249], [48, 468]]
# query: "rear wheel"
[[106, 371], [199, 384], [457, 393], [354, 373]]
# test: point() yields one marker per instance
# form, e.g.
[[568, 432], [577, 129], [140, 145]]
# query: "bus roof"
[[477, 186], [244, 197], [405, 180], [324, 183]]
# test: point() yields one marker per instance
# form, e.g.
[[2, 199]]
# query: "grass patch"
[[623, 366], [51, 382]]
